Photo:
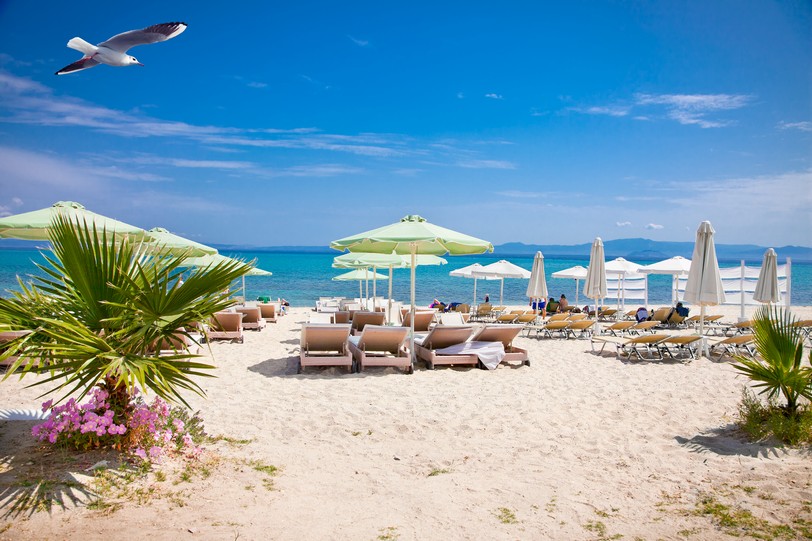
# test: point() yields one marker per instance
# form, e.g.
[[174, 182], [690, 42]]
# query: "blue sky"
[[278, 123]]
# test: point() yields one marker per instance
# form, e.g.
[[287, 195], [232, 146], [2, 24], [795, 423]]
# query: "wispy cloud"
[[803, 125], [610, 110], [486, 164], [257, 84], [654, 226], [359, 42], [460, 95], [494, 96], [693, 108], [320, 170], [623, 224]]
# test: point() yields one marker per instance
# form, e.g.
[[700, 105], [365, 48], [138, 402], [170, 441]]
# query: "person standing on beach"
[[487, 298]]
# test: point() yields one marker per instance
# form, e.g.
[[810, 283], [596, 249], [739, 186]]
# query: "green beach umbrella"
[[35, 225], [360, 274], [392, 261], [413, 235], [214, 259], [171, 244]]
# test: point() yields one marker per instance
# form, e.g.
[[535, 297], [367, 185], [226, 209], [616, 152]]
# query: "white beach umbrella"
[[621, 268], [468, 272], [361, 275], [502, 269], [767, 286], [675, 266], [595, 283], [576, 273], [537, 288], [704, 285]]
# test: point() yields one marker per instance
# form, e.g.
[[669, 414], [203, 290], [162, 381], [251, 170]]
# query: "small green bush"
[[761, 421]]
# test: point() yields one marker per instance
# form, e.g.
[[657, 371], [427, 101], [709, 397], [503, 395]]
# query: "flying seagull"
[[113, 51]]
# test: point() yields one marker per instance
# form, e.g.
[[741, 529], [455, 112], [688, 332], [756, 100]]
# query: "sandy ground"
[[574, 446]]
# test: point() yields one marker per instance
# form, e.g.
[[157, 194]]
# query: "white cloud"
[[610, 110], [654, 226], [486, 164], [803, 126], [623, 224], [494, 96], [359, 42], [692, 108]]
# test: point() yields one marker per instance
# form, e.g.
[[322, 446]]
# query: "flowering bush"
[[148, 431]]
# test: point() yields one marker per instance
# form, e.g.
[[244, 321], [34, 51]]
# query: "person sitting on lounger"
[[563, 304]]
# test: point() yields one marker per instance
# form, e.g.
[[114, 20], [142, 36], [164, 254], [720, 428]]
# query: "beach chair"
[[321, 317], [660, 315], [453, 318], [805, 326], [580, 329], [180, 342], [422, 320], [226, 326], [268, 312], [362, 319], [643, 327], [443, 336], [506, 318], [686, 346], [6, 339], [483, 312], [505, 334], [733, 345], [527, 319], [381, 345], [619, 328], [342, 316], [464, 308], [740, 327], [323, 344], [631, 314], [635, 345], [252, 318], [578, 316], [607, 314], [553, 327]]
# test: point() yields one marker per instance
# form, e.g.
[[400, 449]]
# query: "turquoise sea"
[[302, 278]]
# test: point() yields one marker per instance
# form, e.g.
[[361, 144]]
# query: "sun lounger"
[[381, 345], [422, 320], [805, 326], [631, 314], [443, 336], [643, 327], [619, 328], [682, 346], [740, 327], [268, 312], [554, 327], [321, 317], [179, 343], [635, 345], [607, 314], [504, 334], [252, 318], [5, 338], [362, 319], [453, 318], [506, 318], [733, 345], [226, 326], [324, 345], [575, 317], [580, 329], [342, 316], [693, 321], [660, 315]]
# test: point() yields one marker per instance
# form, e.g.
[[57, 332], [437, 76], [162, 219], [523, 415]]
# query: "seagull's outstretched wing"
[[79, 65], [151, 34]]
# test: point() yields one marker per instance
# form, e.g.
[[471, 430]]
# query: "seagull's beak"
[[139, 63]]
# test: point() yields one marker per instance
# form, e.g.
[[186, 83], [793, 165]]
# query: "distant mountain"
[[643, 249]]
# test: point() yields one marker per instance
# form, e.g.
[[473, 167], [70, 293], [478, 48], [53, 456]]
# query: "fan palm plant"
[[101, 308], [779, 369]]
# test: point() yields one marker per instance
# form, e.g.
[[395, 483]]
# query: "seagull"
[[113, 51]]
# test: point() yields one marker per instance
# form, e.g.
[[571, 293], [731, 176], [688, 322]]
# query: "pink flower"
[[47, 405], [140, 453]]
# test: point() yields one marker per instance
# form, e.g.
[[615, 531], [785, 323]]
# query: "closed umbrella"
[[537, 288], [169, 243], [576, 273], [704, 286], [767, 285], [502, 269], [35, 225], [413, 235], [468, 272], [595, 283]]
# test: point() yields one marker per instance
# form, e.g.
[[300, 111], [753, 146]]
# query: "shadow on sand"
[[728, 441]]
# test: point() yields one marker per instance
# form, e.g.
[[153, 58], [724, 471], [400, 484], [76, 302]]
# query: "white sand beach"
[[574, 446]]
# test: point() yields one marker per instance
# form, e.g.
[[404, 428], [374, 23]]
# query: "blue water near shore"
[[302, 278]]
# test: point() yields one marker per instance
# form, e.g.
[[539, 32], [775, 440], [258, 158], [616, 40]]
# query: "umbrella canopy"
[[413, 235], [595, 283], [704, 285], [576, 273], [175, 244], [34, 225], [468, 272], [502, 269], [213, 259], [767, 286], [359, 274], [676, 266], [622, 268], [537, 288]]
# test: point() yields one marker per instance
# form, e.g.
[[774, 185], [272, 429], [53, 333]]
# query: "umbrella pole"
[[576, 291], [390, 294], [374, 285], [501, 292], [360, 290], [473, 305], [411, 335]]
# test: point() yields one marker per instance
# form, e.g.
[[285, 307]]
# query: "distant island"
[[631, 249]]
